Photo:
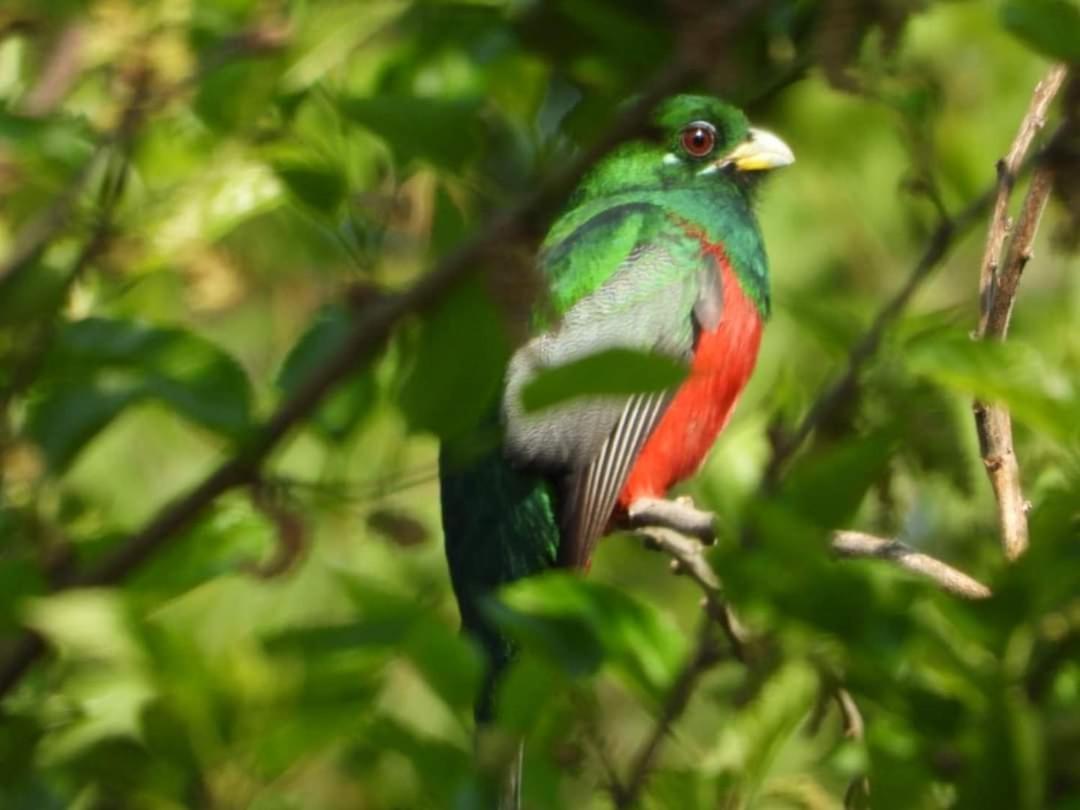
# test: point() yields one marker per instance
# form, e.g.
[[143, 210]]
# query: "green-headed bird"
[[658, 251]]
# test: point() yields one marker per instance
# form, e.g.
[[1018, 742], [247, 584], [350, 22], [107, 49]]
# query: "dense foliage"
[[199, 199]]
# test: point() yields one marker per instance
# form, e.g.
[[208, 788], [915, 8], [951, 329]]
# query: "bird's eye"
[[698, 139]]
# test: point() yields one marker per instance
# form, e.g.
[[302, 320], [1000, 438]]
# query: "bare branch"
[[1007, 169], [999, 278], [854, 726], [679, 514], [850, 544]]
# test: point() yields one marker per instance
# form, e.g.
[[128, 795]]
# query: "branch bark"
[[849, 544], [999, 278]]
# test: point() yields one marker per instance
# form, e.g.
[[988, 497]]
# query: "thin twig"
[[999, 278], [837, 393], [850, 544], [1007, 168], [706, 655]]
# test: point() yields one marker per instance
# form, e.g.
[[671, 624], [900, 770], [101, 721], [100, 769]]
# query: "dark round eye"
[[698, 139]]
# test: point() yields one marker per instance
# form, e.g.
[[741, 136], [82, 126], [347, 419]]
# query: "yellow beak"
[[761, 150]]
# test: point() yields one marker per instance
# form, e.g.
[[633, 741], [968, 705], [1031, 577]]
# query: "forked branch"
[[999, 278]]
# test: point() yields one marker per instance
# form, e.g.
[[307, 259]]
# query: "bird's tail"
[[500, 526]]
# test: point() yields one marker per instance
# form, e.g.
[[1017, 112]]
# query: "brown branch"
[[848, 544], [705, 656], [679, 514], [999, 278], [288, 526], [1007, 168]]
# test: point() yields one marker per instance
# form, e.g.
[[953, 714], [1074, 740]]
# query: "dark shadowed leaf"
[[319, 186], [65, 418], [454, 381], [347, 405], [96, 367], [444, 132], [1052, 27]]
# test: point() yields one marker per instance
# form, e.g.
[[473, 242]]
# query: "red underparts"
[[722, 363]]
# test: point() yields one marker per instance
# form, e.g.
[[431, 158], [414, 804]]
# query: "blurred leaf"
[[1052, 27], [582, 624], [454, 381], [827, 489], [353, 399], [448, 662], [19, 580], [62, 421], [399, 527], [97, 367], [608, 372], [34, 293], [752, 745], [1010, 372], [236, 95], [320, 186], [444, 132]]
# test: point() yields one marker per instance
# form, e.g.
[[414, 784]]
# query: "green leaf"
[[455, 379], [97, 367], [441, 131], [1011, 372], [347, 405], [236, 95], [609, 372], [319, 186], [582, 624], [66, 418], [1051, 27], [827, 488]]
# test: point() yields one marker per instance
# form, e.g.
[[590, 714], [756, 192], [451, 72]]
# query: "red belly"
[[723, 361]]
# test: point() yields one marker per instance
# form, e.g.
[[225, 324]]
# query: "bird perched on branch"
[[659, 251]]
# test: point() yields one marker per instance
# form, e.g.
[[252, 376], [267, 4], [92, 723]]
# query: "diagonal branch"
[[999, 278], [849, 544], [838, 392]]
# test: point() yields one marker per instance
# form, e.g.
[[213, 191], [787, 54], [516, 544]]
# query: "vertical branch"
[[999, 277]]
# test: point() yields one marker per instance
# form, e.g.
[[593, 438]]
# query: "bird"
[[658, 250]]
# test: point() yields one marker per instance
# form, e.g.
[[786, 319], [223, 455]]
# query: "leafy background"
[[226, 185]]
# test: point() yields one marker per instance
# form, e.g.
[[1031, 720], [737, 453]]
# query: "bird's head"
[[696, 141], [703, 135]]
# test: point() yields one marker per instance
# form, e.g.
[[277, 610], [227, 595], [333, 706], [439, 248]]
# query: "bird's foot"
[[679, 514]]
